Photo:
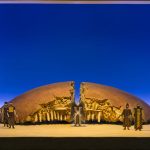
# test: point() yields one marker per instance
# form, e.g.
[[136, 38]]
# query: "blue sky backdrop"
[[43, 44]]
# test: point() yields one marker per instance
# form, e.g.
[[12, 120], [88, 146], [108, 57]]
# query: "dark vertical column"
[[72, 91], [82, 92]]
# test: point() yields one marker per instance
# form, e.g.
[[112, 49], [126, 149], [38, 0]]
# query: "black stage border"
[[74, 143]]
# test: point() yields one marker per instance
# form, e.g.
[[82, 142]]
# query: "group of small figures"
[[126, 115], [8, 115]]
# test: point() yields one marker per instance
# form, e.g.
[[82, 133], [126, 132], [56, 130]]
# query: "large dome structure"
[[53, 102]]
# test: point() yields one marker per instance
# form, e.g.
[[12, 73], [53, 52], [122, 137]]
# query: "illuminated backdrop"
[[42, 44]]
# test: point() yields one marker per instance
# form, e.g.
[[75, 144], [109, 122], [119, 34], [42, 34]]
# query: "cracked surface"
[[106, 103]]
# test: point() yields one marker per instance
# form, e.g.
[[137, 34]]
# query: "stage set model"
[[55, 103]]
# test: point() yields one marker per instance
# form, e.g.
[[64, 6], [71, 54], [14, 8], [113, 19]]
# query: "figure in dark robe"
[[127, 117], [138, 118], [4, 114], [11, 115]]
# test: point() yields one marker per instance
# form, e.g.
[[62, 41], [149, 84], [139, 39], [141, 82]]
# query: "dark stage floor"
[[74, 143]]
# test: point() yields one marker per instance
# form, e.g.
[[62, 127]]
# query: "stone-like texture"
[[45, 103], [107, 103]]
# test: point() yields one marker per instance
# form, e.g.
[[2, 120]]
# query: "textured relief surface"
[[46, 103], [97, 110], [106, 103], [56, 110]]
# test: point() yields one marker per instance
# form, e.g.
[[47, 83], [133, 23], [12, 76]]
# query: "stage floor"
[[66, 130]]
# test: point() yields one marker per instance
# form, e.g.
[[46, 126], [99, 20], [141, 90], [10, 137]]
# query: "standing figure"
[[127, 114], [11, 115], [82, 111], [73, 105], [138, 118], [77, 115], [4, 114]]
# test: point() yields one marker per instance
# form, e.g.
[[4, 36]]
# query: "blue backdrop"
[[43, 44]]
